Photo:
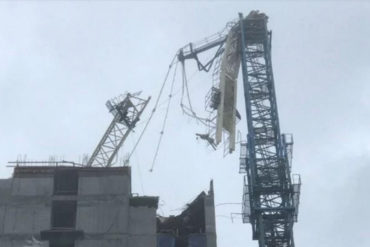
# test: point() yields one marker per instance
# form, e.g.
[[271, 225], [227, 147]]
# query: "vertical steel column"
[[270, 189], [250, 136]]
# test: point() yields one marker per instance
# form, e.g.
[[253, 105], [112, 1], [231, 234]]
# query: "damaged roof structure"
[[195, 226], [68, 206]]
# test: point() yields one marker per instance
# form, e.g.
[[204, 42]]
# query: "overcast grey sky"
[[60, 61]]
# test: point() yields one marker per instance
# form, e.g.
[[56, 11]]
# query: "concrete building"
[[64, 206]]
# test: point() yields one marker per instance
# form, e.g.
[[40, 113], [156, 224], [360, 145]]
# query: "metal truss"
[[270, 201], [126, 110]]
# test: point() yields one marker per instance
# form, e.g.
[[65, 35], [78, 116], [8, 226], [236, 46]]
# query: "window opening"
[[64, 214]]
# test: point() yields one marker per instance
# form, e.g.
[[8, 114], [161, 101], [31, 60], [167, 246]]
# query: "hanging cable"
[[188, 110], [154, 108], [165, 119], [177, 91], [185, 88]]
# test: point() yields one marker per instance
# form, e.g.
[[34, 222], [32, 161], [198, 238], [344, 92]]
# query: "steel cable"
[[154, 108], [165, 119]]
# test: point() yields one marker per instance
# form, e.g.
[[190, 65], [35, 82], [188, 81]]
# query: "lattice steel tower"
[[271, 197], [271, 193]]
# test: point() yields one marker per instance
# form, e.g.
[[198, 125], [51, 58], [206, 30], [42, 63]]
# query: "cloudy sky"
[[60, 61]]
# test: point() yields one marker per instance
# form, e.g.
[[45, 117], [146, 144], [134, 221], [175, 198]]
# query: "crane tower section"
[[271, 194], [126, 110]]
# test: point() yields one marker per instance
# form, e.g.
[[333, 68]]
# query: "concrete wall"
[[142, 241], [118, 242], [104, 211], [24, 209], [102, 208], [103, 217], [103, 203], [104, 184], [142, 221], [33, 186], [17, 243], [5, 189], [28, 208], [26, 219], [21, 211], [142, 227], [5, 186], [210, 217]]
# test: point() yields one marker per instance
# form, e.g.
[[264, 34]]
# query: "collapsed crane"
[[271, 193], [126, 110]]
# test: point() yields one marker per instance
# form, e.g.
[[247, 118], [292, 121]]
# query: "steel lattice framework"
[[126, 111], [270, 200], [271, 194]]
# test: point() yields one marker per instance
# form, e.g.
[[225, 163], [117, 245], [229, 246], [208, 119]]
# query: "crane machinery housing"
[[271, 193]]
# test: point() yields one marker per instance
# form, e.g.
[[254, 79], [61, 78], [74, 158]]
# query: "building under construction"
[[66, 206]]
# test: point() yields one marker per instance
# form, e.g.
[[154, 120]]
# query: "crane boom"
[[126, 110], [193, 51]]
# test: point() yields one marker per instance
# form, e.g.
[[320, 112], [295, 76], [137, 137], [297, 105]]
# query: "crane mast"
[[271, 193], [271, 199]]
